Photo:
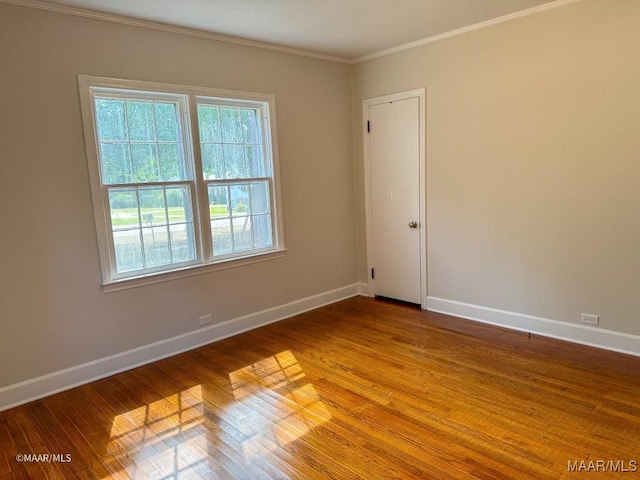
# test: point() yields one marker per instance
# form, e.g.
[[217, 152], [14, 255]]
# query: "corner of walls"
[[361, 245], [354, 160]]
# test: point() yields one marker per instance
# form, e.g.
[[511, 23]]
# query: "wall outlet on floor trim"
[[589, 319], [205, 320]]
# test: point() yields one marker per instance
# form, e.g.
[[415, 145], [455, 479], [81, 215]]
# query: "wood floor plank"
[[26, 441], [361, 390], [360, 395], [230, 422], [315, 429]]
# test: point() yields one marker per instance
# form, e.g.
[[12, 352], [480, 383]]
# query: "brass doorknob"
[[413, 225]]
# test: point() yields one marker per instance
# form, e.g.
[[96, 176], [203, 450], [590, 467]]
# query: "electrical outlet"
[[206, 319], [589, 319]]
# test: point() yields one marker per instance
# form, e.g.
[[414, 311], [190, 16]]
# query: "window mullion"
[[149, 184], [155, 135], [142, 244], [233, 181], [166, 213], [202, 192], [224, 161], [251, 216], [231, 218], [126, 126]]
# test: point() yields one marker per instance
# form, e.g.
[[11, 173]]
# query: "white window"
[[181, 177]]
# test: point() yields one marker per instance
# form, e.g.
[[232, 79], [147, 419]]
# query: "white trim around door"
[[420, 94]]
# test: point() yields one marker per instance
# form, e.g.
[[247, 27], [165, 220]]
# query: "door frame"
[[419, 93]]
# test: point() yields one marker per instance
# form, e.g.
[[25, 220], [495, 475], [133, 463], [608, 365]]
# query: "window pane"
[[152, 206], [140, 119], [116, 163], [262, 235], [259, 197], [254, 161], [234, 161], [219, 210], [123, 204], [167, 122], [128, 250], [179, 204], [242, 233], [209, 123], [250, 132], [240, 200], [171, 162], [212, 162], [221, 235], [161, 244], [156, 246], [219, 202], [110, 119], [230, 121], [145, 162], [182, 242]]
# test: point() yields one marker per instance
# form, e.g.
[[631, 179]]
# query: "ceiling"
[[348, 29]]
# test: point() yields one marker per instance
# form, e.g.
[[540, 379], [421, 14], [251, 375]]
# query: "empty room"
[[296, 239]]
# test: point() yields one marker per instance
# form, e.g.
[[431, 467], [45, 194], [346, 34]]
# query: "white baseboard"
[[582, 334], [33, 389], [363, 289]]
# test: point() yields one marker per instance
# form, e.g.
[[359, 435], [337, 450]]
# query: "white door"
[[394, 195]]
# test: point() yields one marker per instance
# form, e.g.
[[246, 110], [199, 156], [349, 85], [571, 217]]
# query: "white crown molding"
[[460, 31], [108, 17], [164, 27], [570, 332]]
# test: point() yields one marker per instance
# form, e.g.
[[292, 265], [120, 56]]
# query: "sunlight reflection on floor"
[[161, 439], [282, 406], [270, 405]]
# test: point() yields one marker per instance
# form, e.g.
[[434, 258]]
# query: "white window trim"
[[204, 262]]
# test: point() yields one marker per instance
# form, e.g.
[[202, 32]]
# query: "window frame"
[[190, 97]]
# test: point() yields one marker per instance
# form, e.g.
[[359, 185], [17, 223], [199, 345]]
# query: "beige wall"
[[532, 175], [533, 161], [53, 314]]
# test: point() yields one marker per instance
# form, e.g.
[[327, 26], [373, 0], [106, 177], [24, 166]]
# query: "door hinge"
[[368, 126], [373, 274]]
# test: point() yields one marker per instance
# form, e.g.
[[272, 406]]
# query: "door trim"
[[420, 94]]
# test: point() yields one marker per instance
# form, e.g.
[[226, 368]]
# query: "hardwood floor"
[[361, 389]]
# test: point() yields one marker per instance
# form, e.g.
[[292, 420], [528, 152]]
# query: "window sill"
[[151, 279]]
